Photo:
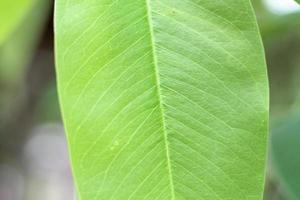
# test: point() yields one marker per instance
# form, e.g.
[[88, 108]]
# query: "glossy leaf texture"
[[285, 153], [163, 99]]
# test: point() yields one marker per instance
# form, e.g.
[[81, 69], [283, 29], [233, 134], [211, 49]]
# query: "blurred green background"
[[34, 162]]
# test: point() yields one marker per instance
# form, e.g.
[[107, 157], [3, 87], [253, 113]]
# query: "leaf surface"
[[163, 99]]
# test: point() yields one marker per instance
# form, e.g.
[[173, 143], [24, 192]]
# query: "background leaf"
[[17, 51], [163, 99], [11, 14], [18, 48], [285, 148]]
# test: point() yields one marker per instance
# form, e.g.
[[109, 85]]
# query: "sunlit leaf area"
[[149, 99]]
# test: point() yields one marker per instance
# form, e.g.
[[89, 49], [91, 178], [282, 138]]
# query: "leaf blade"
[[145, 81]]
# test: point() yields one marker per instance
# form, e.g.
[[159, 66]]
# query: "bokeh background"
[[34, 161]]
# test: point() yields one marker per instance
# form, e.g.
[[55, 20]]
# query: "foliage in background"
[[285, 145], [21, 27], [22, 23], [11, 15], [48, 107]]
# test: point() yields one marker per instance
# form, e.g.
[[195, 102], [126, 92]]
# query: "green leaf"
[[163, 99], [285, 153], [18, 48], [11, 13]]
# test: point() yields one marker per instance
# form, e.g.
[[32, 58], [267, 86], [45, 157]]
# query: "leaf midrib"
[[157, 81]]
